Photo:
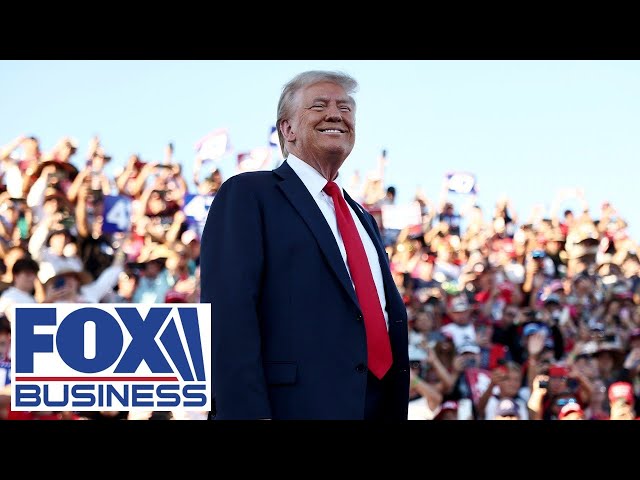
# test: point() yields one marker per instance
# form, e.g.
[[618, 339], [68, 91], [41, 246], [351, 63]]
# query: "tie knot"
[[331, 189]]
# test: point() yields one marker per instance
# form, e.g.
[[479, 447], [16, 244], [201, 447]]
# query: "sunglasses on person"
[[561, 402]]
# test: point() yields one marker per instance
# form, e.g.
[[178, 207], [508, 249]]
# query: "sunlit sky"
[[525, 128]]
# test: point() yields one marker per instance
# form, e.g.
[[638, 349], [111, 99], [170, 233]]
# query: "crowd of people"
[[508, 318], [54, 247]]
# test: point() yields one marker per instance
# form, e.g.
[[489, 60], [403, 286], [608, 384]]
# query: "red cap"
[[558, 371], [621, 390], [570, 407], [175, 297], [449, 405]]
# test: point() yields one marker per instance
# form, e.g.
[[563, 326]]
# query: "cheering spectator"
[[24, 273], [155, 280]]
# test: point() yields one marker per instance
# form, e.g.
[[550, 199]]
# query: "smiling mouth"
[[331, 130]]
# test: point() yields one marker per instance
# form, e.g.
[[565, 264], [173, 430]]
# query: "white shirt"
[[10, 297], [315, 182], [419, 409], [462, 334]]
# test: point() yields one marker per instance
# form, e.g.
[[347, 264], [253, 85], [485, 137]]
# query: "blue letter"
[[70, 340], [143, 345], [82, 399], [113, 392], [163, 391], [27, 342], [56, 403], [27, 395], [137, 394], [200, 399]]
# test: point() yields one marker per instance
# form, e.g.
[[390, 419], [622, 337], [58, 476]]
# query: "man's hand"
[[58, 294], [632, 361], [537, 388], [458, 364], [621, 410]]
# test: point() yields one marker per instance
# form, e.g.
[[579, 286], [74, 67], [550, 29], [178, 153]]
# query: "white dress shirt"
[[315, 182]]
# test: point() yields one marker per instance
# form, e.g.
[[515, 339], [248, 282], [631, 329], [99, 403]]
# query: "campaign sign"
[[196, 209], [117, 214], [461, 182], [111, 357]]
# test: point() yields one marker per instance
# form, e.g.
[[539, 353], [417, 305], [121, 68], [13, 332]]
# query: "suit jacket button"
[[361, 368], [359, 317]]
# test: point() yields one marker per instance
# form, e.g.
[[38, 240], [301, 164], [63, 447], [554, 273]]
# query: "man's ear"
[[287, 131]]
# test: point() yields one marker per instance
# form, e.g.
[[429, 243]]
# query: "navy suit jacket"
[[288, 340]]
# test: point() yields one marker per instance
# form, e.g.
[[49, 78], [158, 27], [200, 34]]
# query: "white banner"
[[401, 216]]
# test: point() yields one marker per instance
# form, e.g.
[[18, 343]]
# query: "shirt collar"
[[311, 178]]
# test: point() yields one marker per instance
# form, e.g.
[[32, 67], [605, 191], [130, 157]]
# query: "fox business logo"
[[113, 357]]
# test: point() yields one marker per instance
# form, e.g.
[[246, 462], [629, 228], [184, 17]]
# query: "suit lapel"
[[303, 202]]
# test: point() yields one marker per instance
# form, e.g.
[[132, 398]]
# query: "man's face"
[[510, 384], [461, 318], [30, 146], [127, 284], [58, 241], [24, 280], [98, 162], [322, 125]]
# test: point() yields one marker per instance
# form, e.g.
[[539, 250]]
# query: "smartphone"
[[96, 194], [58, 283]]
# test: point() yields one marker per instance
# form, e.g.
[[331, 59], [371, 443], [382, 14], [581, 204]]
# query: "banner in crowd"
[[478, 380], [213, 145], [376, 213], [398, 217], [117, 214], [273, 137], [256, 159], [196, 209], [461, 182]]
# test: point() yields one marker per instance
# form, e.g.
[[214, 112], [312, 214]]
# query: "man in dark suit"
[[307, 322]]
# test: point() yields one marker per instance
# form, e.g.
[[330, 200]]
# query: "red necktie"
[[378, 345]]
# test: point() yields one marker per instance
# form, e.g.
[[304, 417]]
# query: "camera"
[[543, 384], [610, 338], [470, 363], [538, 254], [96, 194]]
